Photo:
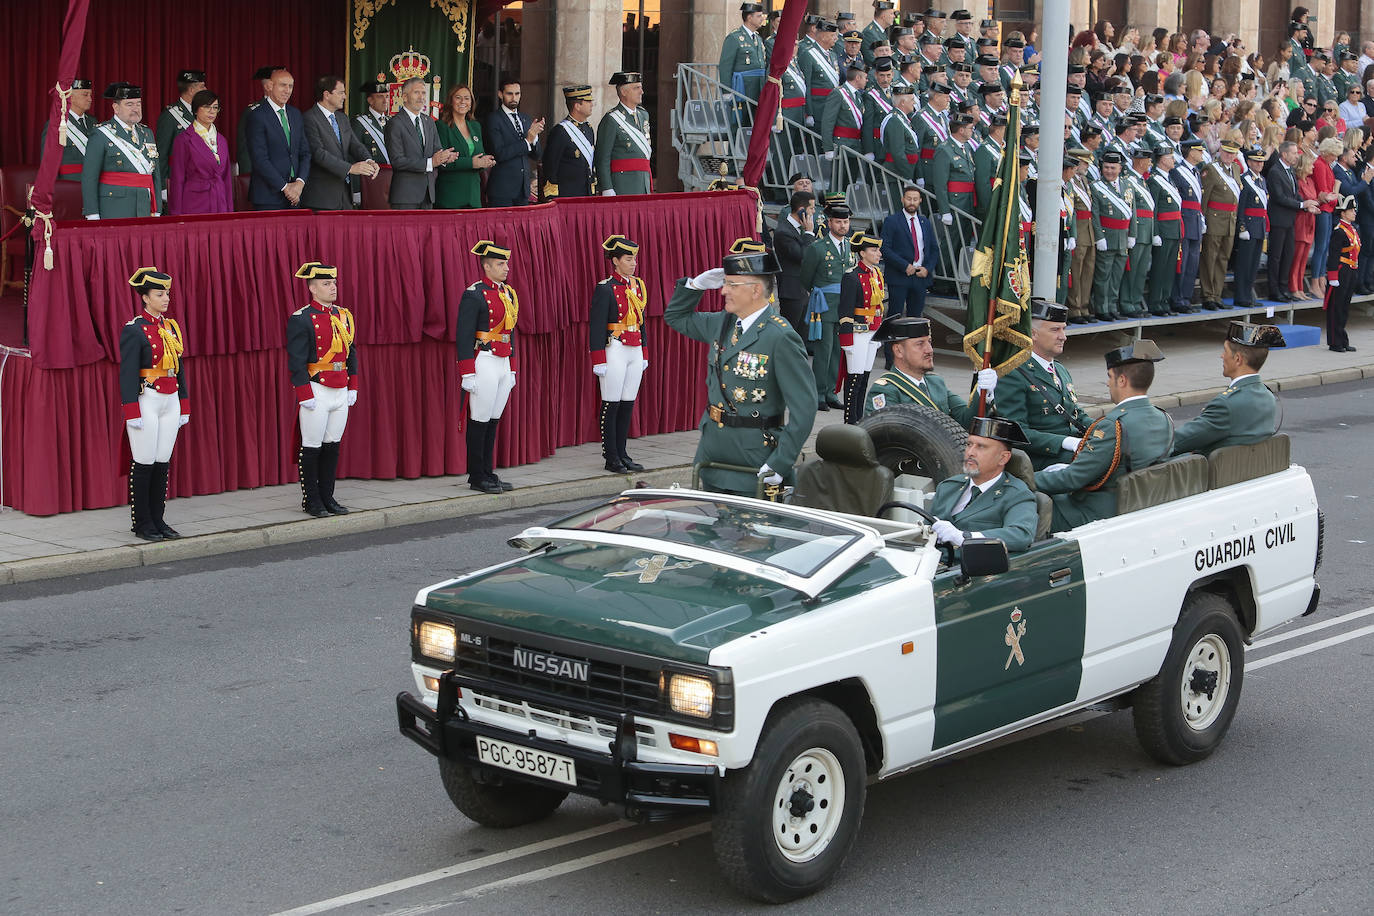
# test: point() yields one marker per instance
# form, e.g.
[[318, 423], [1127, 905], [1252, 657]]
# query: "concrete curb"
[[359, 521]]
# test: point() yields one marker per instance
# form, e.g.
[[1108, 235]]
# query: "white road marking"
[[1310, 647], [1310, 628], [460, 868]]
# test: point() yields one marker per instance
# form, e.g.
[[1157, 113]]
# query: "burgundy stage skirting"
[[402, 274]]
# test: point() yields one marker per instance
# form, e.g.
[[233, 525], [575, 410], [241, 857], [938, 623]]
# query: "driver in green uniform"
[[985, 501]]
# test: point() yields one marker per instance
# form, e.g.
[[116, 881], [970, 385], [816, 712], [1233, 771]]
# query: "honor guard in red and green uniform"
[[818, 65], [1146, 238], [760, 397], [951, 178], [1342, 262], [624, 145], [77, 133], [823, 267], [932, 128], [322, 360], [884, 15], [1252, 225], [177, 117], [152, 388], [1245, 412], [842, 119], [1132, 435], [1114, 234], [486, 360], [743, 60], [985, 501], [119, 176], [863, 301], [901, 148], [1220, 199], [1168, 227], [912, 378], [616, 331], [877, 106], [1039, 394]]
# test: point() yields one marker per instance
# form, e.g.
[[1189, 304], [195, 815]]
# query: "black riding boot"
[[624, 414], [329, 471], [851, 397], [610, 415], [308, 463], [477, 446], [140, 503], [489, 461], [157, 499]]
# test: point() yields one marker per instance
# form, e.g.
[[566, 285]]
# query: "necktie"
[[1055, 375], [515, 119], [739, 329], [965, 498], [334, 122], [915, 244], [286, 128], [420, 132]]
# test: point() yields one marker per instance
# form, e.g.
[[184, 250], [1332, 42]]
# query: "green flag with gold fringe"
[[390, 41], [997, 326]]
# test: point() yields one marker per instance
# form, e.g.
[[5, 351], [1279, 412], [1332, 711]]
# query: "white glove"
[[727, 96], [135, 423], [470, 382], [600, 370], [987, 381], [710, 279], [93, 216], [1071, 244], [921, 183], [1156, 241], [829, 154], [308, 403], [869, 156], [947, 219], [1333, 282], [1101, 244], [512, 379], [1204, 223], [183, 419], [946, 533], [352, 397], [1244, 235], [1130, 243], [1055, 467], [643, 365], [609, 192], [810, 121], [769, 476], [1070, 443]]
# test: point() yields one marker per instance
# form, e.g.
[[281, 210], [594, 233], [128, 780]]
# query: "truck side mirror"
[[982, 557]]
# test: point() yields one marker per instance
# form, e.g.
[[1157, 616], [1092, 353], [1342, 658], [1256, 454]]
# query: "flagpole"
[[1010, 199]]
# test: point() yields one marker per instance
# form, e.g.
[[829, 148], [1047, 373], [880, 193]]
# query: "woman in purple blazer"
[[200, 177]]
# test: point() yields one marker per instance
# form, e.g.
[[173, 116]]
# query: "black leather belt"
[[721, 418]]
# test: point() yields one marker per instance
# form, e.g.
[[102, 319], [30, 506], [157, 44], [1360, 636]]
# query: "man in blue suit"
[[512, 137], [281, 155], [910, 251]]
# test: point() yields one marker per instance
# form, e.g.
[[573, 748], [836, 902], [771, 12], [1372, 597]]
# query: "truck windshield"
[[793, 543]]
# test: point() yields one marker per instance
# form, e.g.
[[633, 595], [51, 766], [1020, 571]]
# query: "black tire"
[[505, 804], [917, 440], [1178, 725], [746, 834]]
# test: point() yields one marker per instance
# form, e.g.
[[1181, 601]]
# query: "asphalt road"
[[219, 737]]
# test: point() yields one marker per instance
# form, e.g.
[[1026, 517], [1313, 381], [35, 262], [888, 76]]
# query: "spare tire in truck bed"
[[917, 440]]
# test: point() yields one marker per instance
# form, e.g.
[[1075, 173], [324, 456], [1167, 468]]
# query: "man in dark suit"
[[335, 152], [412, 142], [795, 232], [909, 251], [281, 155], [263, 77], [513, 139], [569, 156], [1284, 204]]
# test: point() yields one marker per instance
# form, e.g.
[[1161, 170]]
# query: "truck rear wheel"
[[784, 824], [506, 804], [1182, 714]]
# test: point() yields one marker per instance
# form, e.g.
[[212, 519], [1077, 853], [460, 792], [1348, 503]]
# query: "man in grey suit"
[[412, 143], [335, 152], [796, 230]]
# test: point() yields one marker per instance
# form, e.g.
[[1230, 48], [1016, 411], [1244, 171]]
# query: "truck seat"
[[845, 476]]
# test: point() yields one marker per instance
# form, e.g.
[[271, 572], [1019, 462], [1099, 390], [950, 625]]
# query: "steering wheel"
[[930, 519]]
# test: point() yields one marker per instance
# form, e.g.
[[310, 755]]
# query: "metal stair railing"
[[711, 129]]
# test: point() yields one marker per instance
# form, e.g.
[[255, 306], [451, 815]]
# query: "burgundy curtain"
[[402, 273], [148, 41], [771, 96], [73, 33]]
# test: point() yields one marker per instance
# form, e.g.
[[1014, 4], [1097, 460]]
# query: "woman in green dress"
[[460, 182]]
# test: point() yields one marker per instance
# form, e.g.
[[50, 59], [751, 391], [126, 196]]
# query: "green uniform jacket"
[[115, 201], [818, 66], [1243, 414], [1343, 80], [764, 373], [376, 149], [70, 154], [1114, 204], [1006, 512], [743, 50], [872, 34], [822, 265], [1146, 437], [1326, 89], [1047, 413], [900, 147], [877, 104], [614, 142], [167, 129], [794, 87], [840, 112], [244, 157], [987, 159], [924, 122], [1167, 200], [1143, 200], [896, 388], [953, 162], [1216, 190]]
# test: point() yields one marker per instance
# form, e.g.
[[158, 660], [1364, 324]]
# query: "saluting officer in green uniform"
[[951, 178], [624, 146], [823, 267], [884, 13], [177, 117], [985, 501], [912, 378], [742, 55], [1114, 234], [1244, 413], [1146, 238], [1132, 435], [119, 175], [1168, 228], [759, 391], [80, 126], [1039, 393]]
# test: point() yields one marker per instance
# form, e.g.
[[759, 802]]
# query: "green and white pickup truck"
[[674, 651]]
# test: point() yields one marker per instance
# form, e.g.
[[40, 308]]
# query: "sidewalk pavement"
[[97, 540]]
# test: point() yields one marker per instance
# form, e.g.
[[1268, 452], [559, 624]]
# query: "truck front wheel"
[[1183, 713], [507, 804], [784, 824]]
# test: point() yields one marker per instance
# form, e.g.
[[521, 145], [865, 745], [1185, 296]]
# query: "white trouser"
[[494, 381], [624, 371], [858, 358], [326, 422], [161, 418]]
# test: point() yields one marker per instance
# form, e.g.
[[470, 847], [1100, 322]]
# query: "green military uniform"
[[114, 150], [1344, 81], [1142, 255], [624, 149], [823, 77], [758, 389], [872, 34], [1003, 509], [1326, 89], [1084, 262], [1045, 405], [79, 130], [842, 120], [743, 62], [901, 148], [1220, 198], [794, 94], [370, 127], [951, 177], [1068, 229], [987, 159], [932, 129], [1243, 414], [823, 267], [1114, 222], [174, 119], [877, 106], [894, 388], [1169, 228]]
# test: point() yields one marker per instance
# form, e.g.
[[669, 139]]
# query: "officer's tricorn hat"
[[961, 16], [1162, 150], [928, 38], [882, 64], [997, 119], [934, 13], [883, 4], [900, 31], [1014, 42], [749, 258], [488, 249], [903, 328], [985, 60], [1003, 430], [906, 89], [939, 89], [117, 92], [990, 89], [1141, 151], [316, 270], [837, 210], [1028, 130], [1142, 351], [861, 240], [825, 25], [625, 78], [1255, 335], [191, 76], [617, 246], [842, 15], [577, 93], [1045, 310], [1113, 157], [962, 66], [147, 279], [375, 87]]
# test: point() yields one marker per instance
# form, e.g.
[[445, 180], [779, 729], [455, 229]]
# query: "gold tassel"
[[63, 106]]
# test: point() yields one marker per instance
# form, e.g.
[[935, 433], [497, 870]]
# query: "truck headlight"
[[438, 640], [689, 695]]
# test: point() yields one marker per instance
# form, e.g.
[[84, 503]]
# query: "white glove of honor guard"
[[1071, 244], [810, 121], [1156, 241], [1333, 282], [1244, 235], [829, 154], [352, 397], [308, 403], [600, 370], [135, 423], [946, 533], [1101, 244], [947, 219], [609, 192], [470, 382], [1130, 243], [870, 157], [710, 279], [183, 419], [987, 381], [643, 364], [769, 476], [1070, 444], [921, 183]]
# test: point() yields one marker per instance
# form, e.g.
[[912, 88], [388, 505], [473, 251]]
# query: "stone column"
[[712, 20], [1325, 32], [1239, 16], [586, 51]]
